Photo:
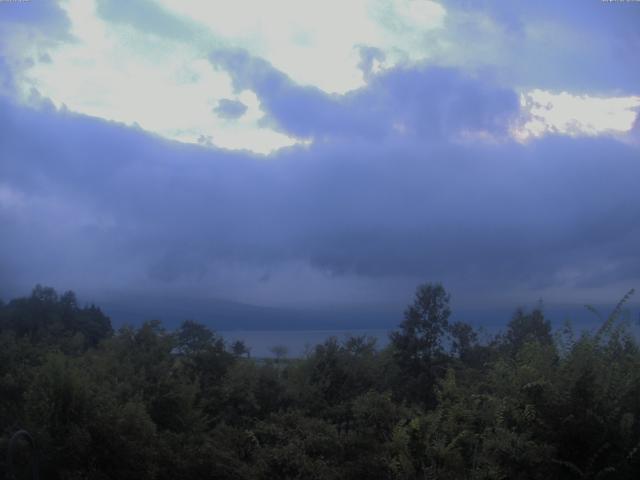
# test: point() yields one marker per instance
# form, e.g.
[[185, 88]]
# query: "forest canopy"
[[147, 403]]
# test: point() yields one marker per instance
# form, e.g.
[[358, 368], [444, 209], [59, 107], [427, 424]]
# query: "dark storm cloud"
[[230, 109], [40, 26], [93, 201], [580, 46], [368, 55], [47, 15], [413, 103], [6, 78]]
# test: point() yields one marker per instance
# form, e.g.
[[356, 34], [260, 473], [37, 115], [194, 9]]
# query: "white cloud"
[[165, 86], [575, 115], [316, 43]]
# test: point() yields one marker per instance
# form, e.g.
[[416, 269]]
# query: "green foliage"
[[145, 403], [527, 327], [45, 317], [417, 347]]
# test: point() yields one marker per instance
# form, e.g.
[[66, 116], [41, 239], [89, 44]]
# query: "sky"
[[321, 155]]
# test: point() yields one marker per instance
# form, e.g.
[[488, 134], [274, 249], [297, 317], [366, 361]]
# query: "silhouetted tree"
[[463, 340], [280, 352], [528, 327], [418, 346], [240, 349]]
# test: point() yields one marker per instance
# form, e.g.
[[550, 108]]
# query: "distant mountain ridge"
[[226, 315], [229, 315]]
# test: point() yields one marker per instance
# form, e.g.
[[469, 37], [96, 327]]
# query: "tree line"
[[436, 403]]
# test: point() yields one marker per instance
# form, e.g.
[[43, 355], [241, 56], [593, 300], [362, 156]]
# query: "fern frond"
[[593, 310], [606, 326], [605, 471], [598, 453], [633, 451], [570, 466]]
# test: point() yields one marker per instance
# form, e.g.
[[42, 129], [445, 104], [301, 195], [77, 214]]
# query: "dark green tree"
[[527, 327], [417, 346]]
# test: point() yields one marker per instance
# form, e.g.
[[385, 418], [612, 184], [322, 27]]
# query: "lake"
[[296, 341]]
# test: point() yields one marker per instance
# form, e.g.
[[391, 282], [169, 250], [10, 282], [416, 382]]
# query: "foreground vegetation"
[[145, 403]]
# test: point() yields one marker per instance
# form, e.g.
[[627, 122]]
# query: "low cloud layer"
[[92, 203], [415, 176]]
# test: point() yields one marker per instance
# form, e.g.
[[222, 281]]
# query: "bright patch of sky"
[[566, 114], [316, 43], [162, 80], [164, 86]]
